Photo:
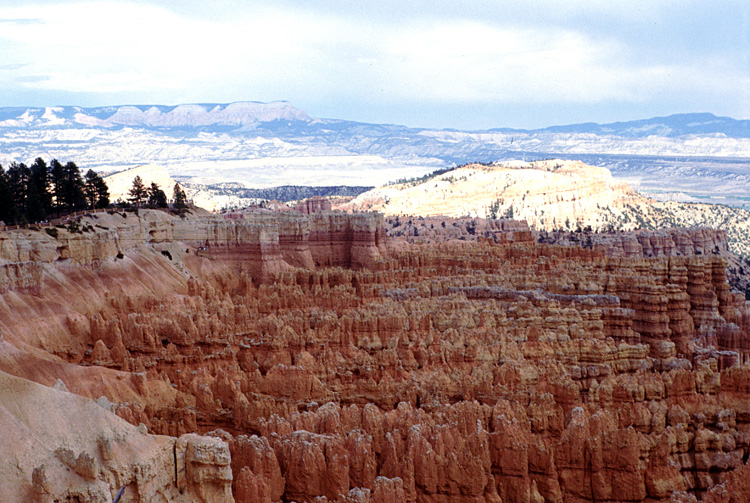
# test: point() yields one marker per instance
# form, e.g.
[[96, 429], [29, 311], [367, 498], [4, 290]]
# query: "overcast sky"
[[437, 63]]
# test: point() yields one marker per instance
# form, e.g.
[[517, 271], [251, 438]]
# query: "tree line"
[[154, 196], [33, 193]]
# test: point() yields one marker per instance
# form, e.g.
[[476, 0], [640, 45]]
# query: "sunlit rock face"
[[562, 195], [329, 363], [63, 447]]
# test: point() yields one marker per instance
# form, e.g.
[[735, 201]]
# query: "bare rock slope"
[[58, 446], [550, 195], [337, 366]]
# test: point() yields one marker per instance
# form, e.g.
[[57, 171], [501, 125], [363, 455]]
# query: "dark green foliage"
[[35, 211], [413, 182], [51, 231], [156, 197], [493, 209], [32, 194], [40, 181], [57, 178], [179, 200], [18, 180], [97, 192], [68, 186], [138, 192], [74, 227], [8, 211], [75, 198]]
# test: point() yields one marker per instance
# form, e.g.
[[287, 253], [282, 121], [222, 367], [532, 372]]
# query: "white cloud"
[[266, 52], [73, 44]]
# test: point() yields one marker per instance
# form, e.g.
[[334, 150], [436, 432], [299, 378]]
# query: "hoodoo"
[[306, 357]]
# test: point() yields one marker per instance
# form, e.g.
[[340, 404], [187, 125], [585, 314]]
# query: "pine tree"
[[75, 199], [179, 200], [57, 177], [102, 193], [34, 206], [96, 190], [19, 176], [40, 179], [8, 212], [156, 196], [138, 192]]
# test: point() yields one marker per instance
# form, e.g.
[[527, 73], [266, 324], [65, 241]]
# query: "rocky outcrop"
[[63, 447], [346, 240], [498, 370], [260, 242], [545, 193], [662, 243], [647, 243], [313, 205], [560, 195]]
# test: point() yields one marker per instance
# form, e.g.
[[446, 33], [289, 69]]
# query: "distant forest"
[[34, 193]]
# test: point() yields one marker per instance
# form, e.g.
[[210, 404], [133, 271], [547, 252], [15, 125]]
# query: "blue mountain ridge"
[[669, 126]]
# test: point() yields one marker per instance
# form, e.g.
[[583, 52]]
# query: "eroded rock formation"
[[498, 370], [74, 450], [552, 194]]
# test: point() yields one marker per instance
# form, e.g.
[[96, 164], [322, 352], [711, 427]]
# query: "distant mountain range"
[[231, 115], [259, 145], [671, 126], [280, 116]]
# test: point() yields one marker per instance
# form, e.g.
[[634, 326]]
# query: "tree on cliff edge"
[[8, 211], [179, 200], [30, 194], [68, 186], [41, 181], [138, 192], [97, 192], [156, 197]]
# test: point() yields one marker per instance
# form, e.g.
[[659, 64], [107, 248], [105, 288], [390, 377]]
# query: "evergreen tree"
[[34, 207], [73, 186], [96, 190], [179, 200], [89, 188], [30, 194], [156, 196], [19, 176], [8, 213], [138, 192], [103, 193], [40, 179], [57, 177]]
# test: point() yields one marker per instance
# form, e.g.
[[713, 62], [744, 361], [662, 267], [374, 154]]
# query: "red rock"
[[343, 370]]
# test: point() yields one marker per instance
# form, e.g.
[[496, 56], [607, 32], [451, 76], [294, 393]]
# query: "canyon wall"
[[58, 282], [497, 370], [550, 195], [62, 447]]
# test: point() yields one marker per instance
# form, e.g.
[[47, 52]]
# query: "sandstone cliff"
[[498, 370], [58, 446], [549, 195], [59, 288]]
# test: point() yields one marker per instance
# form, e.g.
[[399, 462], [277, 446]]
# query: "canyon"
[[551, 195], [263, 356]]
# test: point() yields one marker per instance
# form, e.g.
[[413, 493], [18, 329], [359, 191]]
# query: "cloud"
[[527, 52], [475, 62], [21, 22], [78, 47]]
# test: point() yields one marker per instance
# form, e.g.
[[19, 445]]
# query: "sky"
[[437, 63]]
